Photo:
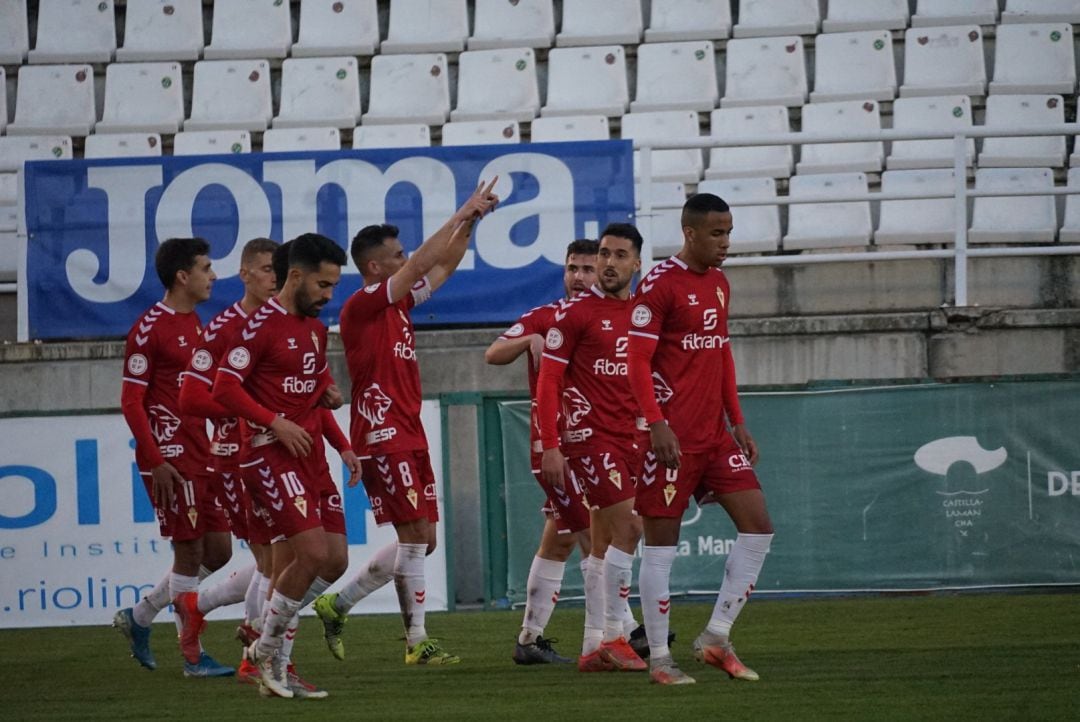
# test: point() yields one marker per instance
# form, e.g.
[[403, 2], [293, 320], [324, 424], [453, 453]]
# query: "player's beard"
[[613, 284], [306, 306]]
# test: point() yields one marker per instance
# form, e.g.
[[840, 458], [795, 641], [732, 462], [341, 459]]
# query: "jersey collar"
[[274, 302]]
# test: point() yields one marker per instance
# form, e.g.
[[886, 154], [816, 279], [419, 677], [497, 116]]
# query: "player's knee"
[[335, 567]]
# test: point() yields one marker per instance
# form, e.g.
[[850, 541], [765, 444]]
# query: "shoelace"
[[545, 644]]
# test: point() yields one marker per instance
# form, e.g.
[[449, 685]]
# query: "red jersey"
[[685, 314], [380, 349], [217, 341], [280, 359], [589, 337], [156, 356], [537, 321]]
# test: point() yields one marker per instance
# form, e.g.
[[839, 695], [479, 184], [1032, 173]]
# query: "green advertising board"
[[896, 487]]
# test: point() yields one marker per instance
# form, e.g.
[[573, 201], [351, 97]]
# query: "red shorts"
[[567, 506], [664, 492], [296, 493], [400, 487], [606, 476], [194, 510], [228, 486]]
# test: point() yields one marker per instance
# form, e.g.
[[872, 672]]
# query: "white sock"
[[377, 574], [279, 612], [157, 599], [740, 575], [289, 638], [178, 584], [204, 572], [629, 622], [618, 571], [411, 589], [653, 583], [317, 587], [252, 600], [545, 581], [264, 596], [228, 591], [594, 605]]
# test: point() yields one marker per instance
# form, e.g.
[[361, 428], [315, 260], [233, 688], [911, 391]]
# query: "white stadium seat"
[[682, 165], [828, 224], [774, 161], [587, 80], [147, 97], [926, 220], [3, 99], [847, 15], [280, 140], [75, 31], [405, 135], [481, 132], [1019, 219], [757, 228], [497, 84], [854, 66], [1024, 111], [54, 100], [249, 29], [600, 22], [765, 71], [570, 128], [427, 26], [14, 32], [944, 61], [1041, 11], [522, 24], [663, 226], [317, 92], [9, 201], [930, 113], [848, 116], [760, 18], [337, 27], [211, 142], [1034, 59], [409, 89], [954, 12], [122, 145], [16, 151], [162, 30], [672, 20], [230, 95], [676, 76], [1070, 229]]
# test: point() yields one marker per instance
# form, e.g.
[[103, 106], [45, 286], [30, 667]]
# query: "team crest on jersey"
[[202, 360], [669, 494], [163, 423], [554, 339], [641, 316], [720, 297], [239, 358], [575, 406], [374, 404], [615, 478], [516, 330], [137, 364], [315, 341]]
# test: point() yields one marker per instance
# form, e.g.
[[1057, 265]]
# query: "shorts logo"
[[516, 330], [739, 462], [301, 505], [641, 316], [669, 494], [137, 364], [202, 361], [554, 339], [239, 358], [615, 478], [413, 497], [193, 516]]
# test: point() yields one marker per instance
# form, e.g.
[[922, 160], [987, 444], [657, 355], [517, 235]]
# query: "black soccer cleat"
[[640, 642], [539, 652]]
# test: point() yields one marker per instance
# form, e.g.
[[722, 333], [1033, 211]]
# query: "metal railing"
[[960, 252]]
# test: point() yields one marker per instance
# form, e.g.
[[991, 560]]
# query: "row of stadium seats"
[[75, 31], [504, 84]]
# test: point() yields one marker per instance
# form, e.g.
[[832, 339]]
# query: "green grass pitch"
[[941, 657]]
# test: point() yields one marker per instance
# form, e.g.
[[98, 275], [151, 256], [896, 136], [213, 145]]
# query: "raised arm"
[[482, 202]]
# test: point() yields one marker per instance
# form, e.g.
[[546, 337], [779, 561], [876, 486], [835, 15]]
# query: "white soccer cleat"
[[273, 677]]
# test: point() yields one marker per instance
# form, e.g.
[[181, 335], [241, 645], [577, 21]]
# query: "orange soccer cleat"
[[620, 655], [594, 662], [716, 651]]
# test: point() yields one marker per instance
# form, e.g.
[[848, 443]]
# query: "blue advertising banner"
[[93, 225]]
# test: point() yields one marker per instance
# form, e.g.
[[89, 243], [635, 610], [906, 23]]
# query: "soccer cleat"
[[640, 642], [665, 671], [246, 634], [248, 673], [138, 637], [273, 678], [429, 652], [539, 651], [594, 662], [207, 666], [192, 625], [621, 656], [714, 650], [302, 689], [333, 623]]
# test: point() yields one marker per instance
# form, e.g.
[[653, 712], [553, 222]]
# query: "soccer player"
[[171, 450], [377, 332], [274, 377], [683, 376], [584, 367], [566, 514]]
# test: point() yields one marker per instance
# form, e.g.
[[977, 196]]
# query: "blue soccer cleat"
[[207, 666], [138, 637]]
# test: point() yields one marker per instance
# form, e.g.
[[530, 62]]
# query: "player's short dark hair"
[[627, 231], [369, 238], [178, 254], [308, 251], [583, 247], [256, 246], [700, 205], [280, 261]]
